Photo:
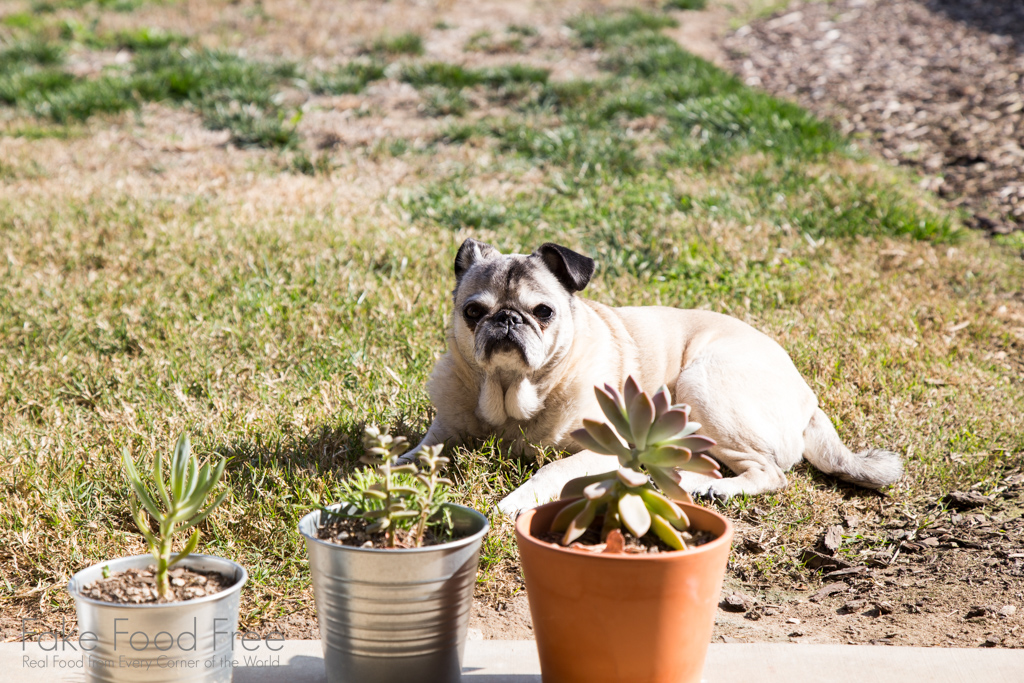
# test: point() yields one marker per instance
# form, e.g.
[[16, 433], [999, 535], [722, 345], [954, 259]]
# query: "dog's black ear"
[[572, 270], [470, 252]]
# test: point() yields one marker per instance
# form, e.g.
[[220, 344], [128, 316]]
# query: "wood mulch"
[[937, 85]]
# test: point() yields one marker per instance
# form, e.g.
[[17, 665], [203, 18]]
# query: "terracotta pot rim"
[[523, 532]]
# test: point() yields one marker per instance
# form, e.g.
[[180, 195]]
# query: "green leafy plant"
[[392, 495], [175, 505], [652, 439]]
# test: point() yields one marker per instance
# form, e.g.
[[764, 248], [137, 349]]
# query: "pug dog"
[[525, 353]]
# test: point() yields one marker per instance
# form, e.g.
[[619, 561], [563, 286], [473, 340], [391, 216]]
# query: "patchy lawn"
[[240, 219]]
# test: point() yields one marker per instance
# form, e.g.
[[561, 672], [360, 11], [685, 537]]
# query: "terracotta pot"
[[622, 618]]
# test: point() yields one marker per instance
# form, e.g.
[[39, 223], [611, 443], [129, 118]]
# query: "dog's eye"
[[474, 311], [543, 312]]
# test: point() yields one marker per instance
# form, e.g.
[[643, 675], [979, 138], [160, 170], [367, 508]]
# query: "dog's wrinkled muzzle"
[[507, 318], [504, 334]]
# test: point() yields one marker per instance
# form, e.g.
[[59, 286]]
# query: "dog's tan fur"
[[537, 388]]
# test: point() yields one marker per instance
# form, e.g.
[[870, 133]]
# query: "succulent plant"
[[652, 440], [397, 495], [176, 505]]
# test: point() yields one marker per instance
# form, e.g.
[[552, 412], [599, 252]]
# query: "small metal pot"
[[395, 615], [191, 640]]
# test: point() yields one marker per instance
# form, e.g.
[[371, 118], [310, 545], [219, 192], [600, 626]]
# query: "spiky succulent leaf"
[[704, 465], [566, 515], [641, 415], [658, 504], [578, 526], [190, 547], [607, 437], [665, 456], [696, 443], [139, 487], [613, 409], [634, 514], [193, 477], [669, 425], [683, 523], [611, 518], [668, 481], [630, 390], [662, 403], [685, 407], [630, 477], [195, 521], [599, 489], [190, 507], [667, 533], [404, 490], [588, 442], [179, 466], [158, 478], [574, 487], [143, 524]]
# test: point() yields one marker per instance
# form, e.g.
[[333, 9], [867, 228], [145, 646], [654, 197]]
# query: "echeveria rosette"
[[652, 439]]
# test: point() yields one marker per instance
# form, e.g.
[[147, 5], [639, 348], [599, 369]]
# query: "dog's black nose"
[[508, 318]]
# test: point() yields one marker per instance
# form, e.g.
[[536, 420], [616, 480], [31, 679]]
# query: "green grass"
[[31, 52], [228, 91], [346, 79], [307, 295], [510, 41], [137, 40], [439, 101], [686, 4], [393, 46], [455, 76], [49, 6], [594, 30]]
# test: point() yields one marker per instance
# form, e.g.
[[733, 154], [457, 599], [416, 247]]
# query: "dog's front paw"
[[718, 490], [526, 497], [709, 496], [509, 506]]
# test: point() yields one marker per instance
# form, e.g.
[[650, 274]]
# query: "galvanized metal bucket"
[[395, 616], [190, 640]]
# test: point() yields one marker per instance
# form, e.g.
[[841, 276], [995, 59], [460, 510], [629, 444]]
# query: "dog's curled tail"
[[873, 468]]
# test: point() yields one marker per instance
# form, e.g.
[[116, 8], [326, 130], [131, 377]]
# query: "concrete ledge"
[[515, 661]]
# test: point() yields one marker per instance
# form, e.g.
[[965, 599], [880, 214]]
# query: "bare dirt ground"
[[934, 85]]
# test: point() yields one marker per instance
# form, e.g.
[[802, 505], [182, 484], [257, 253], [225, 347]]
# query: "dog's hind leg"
[[755, 473]]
